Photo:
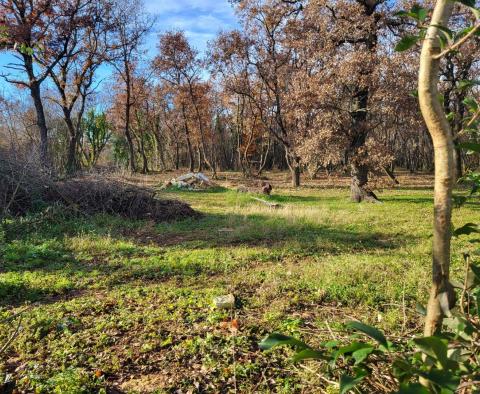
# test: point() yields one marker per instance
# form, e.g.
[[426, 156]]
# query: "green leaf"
[[307, 354], [468, 3], [460, 326], [361, 354], [419, 13], [349, 382], [402, 369], [421, 309], [466, 229], [276, 339], [434, 347], [406, 43], [447, 32], [444, 379], [472, 146], [468, 83], [350, 349], [370, 331], [412, 388], [476, 270], [471, 103]]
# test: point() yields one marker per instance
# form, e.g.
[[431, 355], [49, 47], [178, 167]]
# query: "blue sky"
[[200, 19]]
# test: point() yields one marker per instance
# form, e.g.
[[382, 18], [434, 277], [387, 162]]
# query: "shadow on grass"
[[475, 205], [185, 249]]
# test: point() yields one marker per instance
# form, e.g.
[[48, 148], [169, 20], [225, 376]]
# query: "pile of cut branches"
[[24, 188], [92, 194]]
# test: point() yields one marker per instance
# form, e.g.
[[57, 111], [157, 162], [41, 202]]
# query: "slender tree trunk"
[[200, 162], [187, 138], [439, 129], [71, 165], [42, 125], [458, 163], [128, 135], [177, 155]]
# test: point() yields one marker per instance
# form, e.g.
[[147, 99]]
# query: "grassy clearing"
[[127, 304]]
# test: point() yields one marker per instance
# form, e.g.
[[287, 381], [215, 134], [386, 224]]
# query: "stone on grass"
[[224, 301]]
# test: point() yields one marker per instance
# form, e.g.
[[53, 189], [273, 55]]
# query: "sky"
[[201, 20]]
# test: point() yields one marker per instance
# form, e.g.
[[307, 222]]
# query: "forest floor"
[[126, 306]]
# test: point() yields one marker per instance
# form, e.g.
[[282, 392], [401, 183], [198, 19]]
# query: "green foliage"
[[97, 132], [444, 360], [120, 151], [446, 36], [406, 42]]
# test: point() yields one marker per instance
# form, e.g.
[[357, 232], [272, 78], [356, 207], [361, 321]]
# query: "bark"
[[128, 134], [42, 125], [191, 159], [358, 188], [294, 165], [440, 131], [200, 162], [458, 163], [73, 142], [296, 176]]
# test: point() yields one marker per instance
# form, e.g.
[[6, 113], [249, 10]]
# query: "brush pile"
[[190, 181], [23, 189]]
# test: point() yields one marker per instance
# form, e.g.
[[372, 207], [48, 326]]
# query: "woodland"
[[293, 209]]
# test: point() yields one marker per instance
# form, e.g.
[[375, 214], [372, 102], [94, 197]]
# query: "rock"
[[224, 302]]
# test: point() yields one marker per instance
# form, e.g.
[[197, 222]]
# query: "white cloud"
[[200, 19]]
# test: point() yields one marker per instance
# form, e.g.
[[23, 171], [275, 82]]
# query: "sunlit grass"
[[133, 300]]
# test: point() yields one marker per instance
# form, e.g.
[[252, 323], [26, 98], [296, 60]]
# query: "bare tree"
[[39, 32], [131, 24]]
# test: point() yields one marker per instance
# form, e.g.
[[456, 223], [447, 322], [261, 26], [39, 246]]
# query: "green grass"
[[117, 303]]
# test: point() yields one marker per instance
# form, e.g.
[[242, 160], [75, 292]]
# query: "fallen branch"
[[273, 205]]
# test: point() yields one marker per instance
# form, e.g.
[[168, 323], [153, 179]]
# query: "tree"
[[131, 24], [437, 124], [259, 64], [39, 32], [178, 64], [96, 130], [74, 74]]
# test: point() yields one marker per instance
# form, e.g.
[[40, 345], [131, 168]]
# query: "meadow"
[[104, 304]]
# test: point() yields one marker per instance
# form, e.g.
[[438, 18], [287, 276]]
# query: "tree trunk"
[[71, 166], [128, 135], [42, 125], [358, 188], [177, 156], [296, 176], [200, 162], [191, 159], [439, 129], [294, 165], [458, 163]]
